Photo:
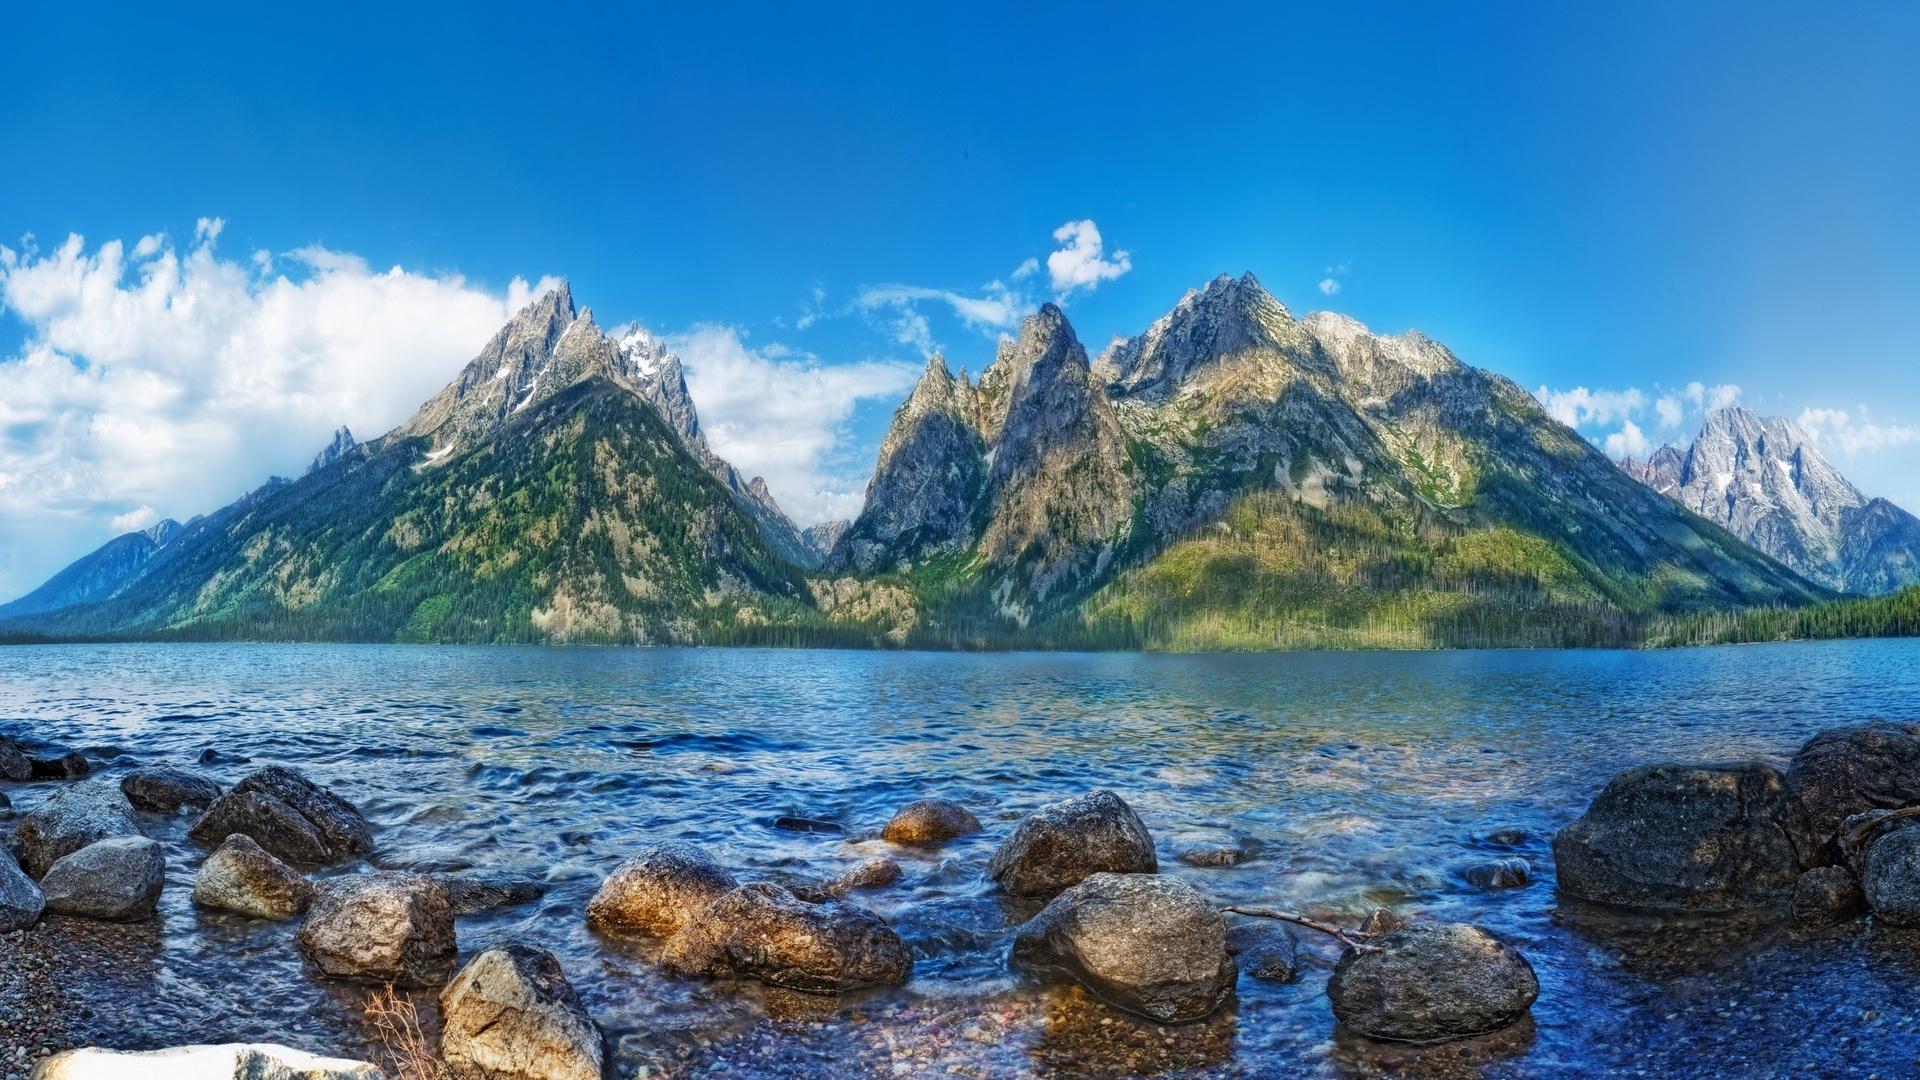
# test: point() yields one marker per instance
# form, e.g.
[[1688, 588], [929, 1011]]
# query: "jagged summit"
[[340, 446], [1227, 318], [1765, 480]]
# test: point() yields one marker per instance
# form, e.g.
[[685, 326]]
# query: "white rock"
[[231, 1061]]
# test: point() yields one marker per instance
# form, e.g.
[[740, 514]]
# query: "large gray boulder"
[[163, 789], [1891, 880], [1058, 846], [116, 880], [1139, 942], [658, 891], [1850, 770], [930, 821], [242, 876], [764, 932], [384, 927], [289, 815], [1705, 838], [21, 901], [512, 1015], [233, 1061], [1431, 983], [81, 815]]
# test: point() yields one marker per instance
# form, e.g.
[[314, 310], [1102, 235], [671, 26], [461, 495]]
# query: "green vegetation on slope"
[[1897, 615]]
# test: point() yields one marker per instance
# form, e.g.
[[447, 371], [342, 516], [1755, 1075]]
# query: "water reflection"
[[1343, 781]]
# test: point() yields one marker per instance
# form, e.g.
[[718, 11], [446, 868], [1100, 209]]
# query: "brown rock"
[[381, 927], [1432, 983], [1826, 894], [657, 891], [1140, 942], [512, 1015], [930, 821], [242, 876], [289, 815], [765, 932], [1058, 846]]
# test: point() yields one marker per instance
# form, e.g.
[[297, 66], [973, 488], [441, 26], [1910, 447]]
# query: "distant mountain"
[[821, 538], [98, 576], [1767, 482], [341, 445], [1237, 477], [555, 491]]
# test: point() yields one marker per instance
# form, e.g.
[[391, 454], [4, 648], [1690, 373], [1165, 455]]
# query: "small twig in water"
[[1347, 937]]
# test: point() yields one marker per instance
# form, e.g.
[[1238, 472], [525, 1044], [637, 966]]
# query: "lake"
[[1350, 779]]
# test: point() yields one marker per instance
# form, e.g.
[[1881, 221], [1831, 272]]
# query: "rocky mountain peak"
[[1227, 318], [341, 444], [1765, 480]]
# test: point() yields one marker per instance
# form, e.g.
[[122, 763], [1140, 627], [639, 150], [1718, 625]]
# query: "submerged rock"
[[1511, 873], [512, 1015], [1706, 838], [1264, 951], [242, 876], [1826, 894], [807, 825], [658, 891], [64, 767], [875, 873], [930, 821], [1892, 878], [233, 1061], [15, 765], [381, 927], [289, 815], [1139, 942], [21, 901], [764, 932], [1382, 921], [1058, 846], [472, 892], [1849, 770], [1431, 983], [81, 815], [166, 790], [115, 880], [1212, 856]]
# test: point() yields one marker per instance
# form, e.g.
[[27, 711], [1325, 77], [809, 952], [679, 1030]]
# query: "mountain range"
[[1766, 481], [1233, 477]]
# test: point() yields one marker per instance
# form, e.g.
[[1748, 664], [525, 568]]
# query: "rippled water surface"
[[1352, 779]]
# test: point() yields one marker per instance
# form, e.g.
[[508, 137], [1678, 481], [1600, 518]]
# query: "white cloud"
[[785, 419], [1082, 263], [1836, 428], [134, 519], [1670, 410], [169, 382], [1580, 406], [997, 309], [1329, 286], [1629, 441], [1711, 398], [1026, 269]]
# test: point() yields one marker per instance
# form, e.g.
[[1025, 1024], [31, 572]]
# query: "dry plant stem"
[[1860, 831], [1346, 937], [397, 1022]]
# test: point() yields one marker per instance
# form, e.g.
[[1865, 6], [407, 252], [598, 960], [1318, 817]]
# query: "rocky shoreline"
[[1821, 841]]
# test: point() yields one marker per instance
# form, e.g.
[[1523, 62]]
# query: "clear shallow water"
[[1356, 780]]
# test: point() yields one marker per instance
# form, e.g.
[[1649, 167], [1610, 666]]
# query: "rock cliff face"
[[97, 576], [1766, 481], [1053, 477]]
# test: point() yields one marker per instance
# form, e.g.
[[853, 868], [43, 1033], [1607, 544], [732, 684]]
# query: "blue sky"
[[1625, 198]]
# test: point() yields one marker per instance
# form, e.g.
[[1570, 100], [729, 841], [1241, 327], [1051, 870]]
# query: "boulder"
[[1264, 951], [1704, 838], [289, 815], [64, 767], [80, 815], [21, 901], [658, 890], [1432, 983], [930, 821], [511, 1015], [1891, 880], [1058, 846], [116, 880], [1139, 942], [1212, 857], [242, 876], [1849, 770], [165, 790], [384, 927], [233, 1061], [1848, 845], [876, 873], [472, 892], [1513, 873], [765, 932], [1826, 894], [15, 765]]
